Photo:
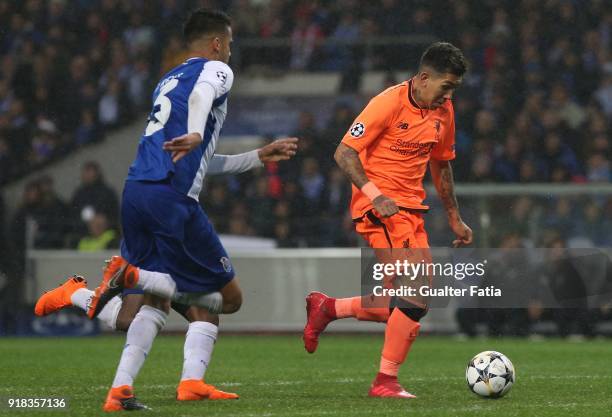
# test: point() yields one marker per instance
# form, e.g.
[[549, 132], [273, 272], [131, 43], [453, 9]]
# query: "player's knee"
[[193, 314], [414, 313], [157, 302], [232, 304], [123, 322]]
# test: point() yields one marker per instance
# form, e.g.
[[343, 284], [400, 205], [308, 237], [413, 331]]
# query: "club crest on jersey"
[[222, 76], [227, 265], [357, 130]]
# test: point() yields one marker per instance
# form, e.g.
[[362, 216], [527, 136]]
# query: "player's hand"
[[385, 206], [182, 145], [279, 150], [463, 233]]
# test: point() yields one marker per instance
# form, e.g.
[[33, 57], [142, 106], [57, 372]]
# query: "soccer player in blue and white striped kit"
[[170, 250]]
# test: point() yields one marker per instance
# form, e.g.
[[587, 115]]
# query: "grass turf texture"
[[276, 377]]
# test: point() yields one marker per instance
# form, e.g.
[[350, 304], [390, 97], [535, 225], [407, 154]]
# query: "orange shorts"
[[398, 238], [405, 229]]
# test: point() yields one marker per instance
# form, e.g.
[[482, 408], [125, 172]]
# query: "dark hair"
[[205, 21], [444, 57]]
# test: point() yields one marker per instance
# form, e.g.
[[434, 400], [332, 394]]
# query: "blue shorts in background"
[[166, 231]]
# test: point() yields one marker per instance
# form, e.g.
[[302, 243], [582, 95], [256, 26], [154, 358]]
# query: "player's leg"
[[403, 324], [199, 344], [74, 293], [322, 309], [144, 210], [230, 298], [131, 303], [140, 336]]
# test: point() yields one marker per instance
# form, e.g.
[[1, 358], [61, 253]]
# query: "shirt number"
[[161, 108]]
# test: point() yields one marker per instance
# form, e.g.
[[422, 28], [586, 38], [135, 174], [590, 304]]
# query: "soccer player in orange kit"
[[385, 154]]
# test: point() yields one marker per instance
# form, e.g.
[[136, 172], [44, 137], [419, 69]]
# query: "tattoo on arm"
[[442, 175], [349, 162]]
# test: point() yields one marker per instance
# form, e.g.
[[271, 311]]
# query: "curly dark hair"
[[444, 57]]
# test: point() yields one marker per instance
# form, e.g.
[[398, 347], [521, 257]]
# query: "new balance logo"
[[402, 125]]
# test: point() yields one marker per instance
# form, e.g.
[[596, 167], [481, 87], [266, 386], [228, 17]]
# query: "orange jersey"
[[395, 140]]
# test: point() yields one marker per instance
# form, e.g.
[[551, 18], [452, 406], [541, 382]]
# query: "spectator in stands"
[[6, 161], [88, 130], [305, 42], [568, 285], [100, 236], [335, 199], [560, 162], [508, 163], [93, 196], [603, 94], [218, 204], [261, 206]]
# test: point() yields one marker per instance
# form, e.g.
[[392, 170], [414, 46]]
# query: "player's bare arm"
[[279, 150], [348, 160], [442, 175]]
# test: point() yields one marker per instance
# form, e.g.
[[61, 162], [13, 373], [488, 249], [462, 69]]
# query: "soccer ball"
[[490, 374]]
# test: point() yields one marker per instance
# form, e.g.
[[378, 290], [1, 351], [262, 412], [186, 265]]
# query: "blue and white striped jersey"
[[169, 119]]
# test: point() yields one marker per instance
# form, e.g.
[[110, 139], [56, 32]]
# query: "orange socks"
[[401, 331], [353, 307]]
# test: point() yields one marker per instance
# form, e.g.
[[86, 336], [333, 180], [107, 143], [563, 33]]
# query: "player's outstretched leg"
[[62, 296], [119, 275], [74, 293], [321, 310]]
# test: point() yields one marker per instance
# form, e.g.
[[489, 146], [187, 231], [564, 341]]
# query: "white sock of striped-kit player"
[[155, 283], [199, 341], [81, 298]]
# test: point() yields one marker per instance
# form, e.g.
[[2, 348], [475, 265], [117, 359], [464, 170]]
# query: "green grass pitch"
[[276, 377]]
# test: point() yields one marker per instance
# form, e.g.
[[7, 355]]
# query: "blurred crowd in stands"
[[536, 105]]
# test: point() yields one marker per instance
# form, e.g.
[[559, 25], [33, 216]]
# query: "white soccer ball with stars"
[[490, 374]]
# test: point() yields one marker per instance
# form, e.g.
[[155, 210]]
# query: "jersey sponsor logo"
[[402, 125], [225, 262], [357, 130], [406, 148], [222, 76]]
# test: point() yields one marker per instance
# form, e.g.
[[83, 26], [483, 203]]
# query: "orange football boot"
[[195, 389], [122, 398], [59, 298], [118, 275]]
